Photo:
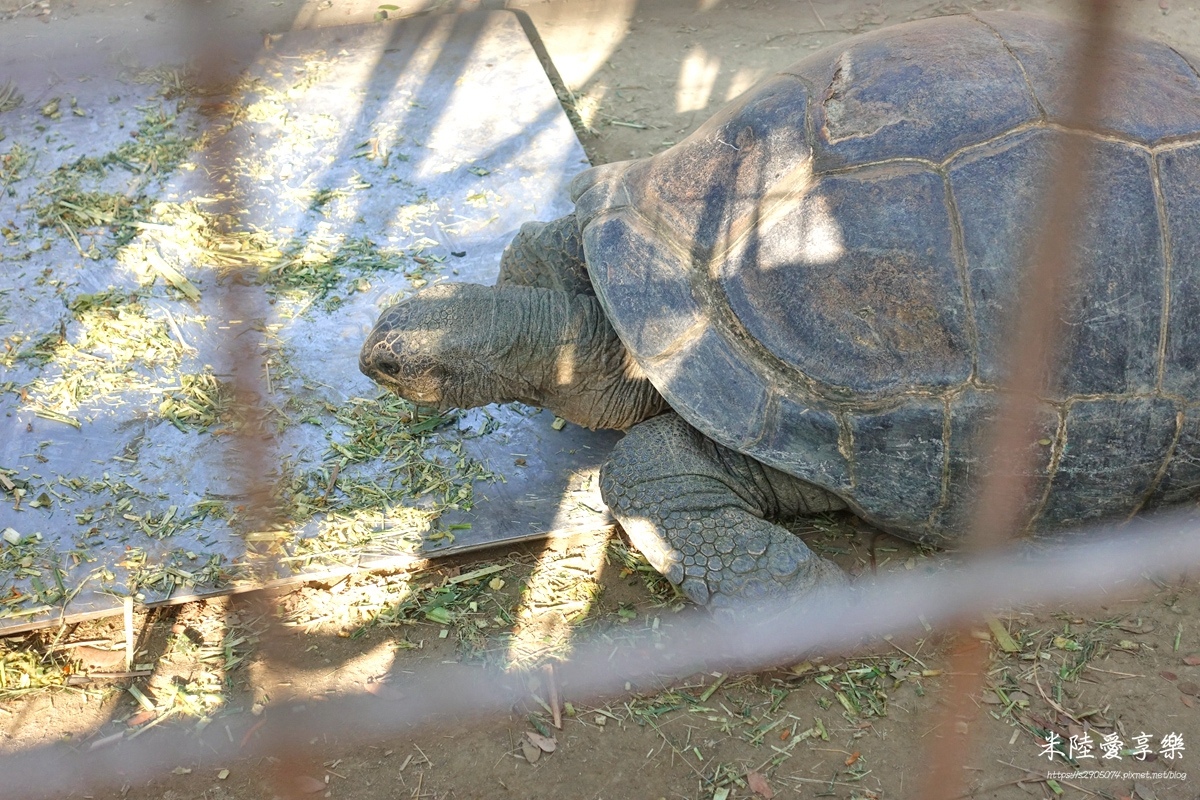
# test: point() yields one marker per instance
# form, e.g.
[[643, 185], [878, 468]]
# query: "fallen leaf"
[[1192, 660], [307, 784], [141, 718], [1187, 701], [855, 756], [100, 658], [1143, 791], [531, 751], [1187, 687], [758, 784], [1003, 640], [544, 743], [1168, 675]]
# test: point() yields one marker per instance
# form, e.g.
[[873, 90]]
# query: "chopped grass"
[[115, 350], [157, 147], [389, 472], [75, 202], [75, 210], [10, 98], [315, 271], [318, 270], [172, 81], [16, 164], [373, 514], [200, 402], [392, 428], [632, 562], [178, 568], [23, 672]]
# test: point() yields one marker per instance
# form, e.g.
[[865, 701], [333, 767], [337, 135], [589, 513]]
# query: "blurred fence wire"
[[1106, 561], [1109, 563], [1032, 346]]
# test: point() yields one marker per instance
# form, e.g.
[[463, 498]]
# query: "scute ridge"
[[1164, 229]]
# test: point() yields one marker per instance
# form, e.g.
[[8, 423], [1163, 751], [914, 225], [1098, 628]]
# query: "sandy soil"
[[640, 76]]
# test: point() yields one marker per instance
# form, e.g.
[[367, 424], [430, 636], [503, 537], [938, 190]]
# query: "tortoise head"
[[438, 347], [461, 345]]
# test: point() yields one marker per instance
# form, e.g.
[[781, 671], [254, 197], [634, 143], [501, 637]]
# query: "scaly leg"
[[548, 255], [698, 511]]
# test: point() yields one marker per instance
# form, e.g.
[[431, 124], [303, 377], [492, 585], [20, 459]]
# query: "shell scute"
[[858, 287], [733, 409], [710, 189], [897, 457], [1112, 454], [1110, 334], [1181, 481], [1179, 173], [972, 414], [645, 279], [805, 442], [1152, 96], [915, 92]]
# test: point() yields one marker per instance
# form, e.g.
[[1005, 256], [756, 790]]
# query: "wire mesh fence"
[[992, 575]]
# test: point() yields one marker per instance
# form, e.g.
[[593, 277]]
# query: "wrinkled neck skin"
[[558, 351]]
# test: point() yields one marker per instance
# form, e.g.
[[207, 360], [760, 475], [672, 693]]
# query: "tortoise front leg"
[[547, 255], [698, 511]]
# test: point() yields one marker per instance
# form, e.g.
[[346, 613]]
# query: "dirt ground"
[[641, 74]]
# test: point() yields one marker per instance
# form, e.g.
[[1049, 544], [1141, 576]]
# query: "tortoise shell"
[[820, 275]]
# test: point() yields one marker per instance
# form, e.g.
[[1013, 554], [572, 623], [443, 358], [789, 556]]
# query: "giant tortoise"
[[802, 306]]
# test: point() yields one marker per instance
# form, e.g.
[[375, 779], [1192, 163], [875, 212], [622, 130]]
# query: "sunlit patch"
[[742, 80], [821, 239], [565, 365], [560, 592], [580, 51], [116, 352], [646, 538], [697, 74], [365, 527], [587, 105], [805, 228], [354, 673]]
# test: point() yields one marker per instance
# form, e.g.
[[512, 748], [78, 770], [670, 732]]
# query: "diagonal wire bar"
[[1032, 350]]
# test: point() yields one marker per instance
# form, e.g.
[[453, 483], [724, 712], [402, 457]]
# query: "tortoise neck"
[[584, 374]]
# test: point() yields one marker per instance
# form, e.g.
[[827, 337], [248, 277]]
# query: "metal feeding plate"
[[370, 160]]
